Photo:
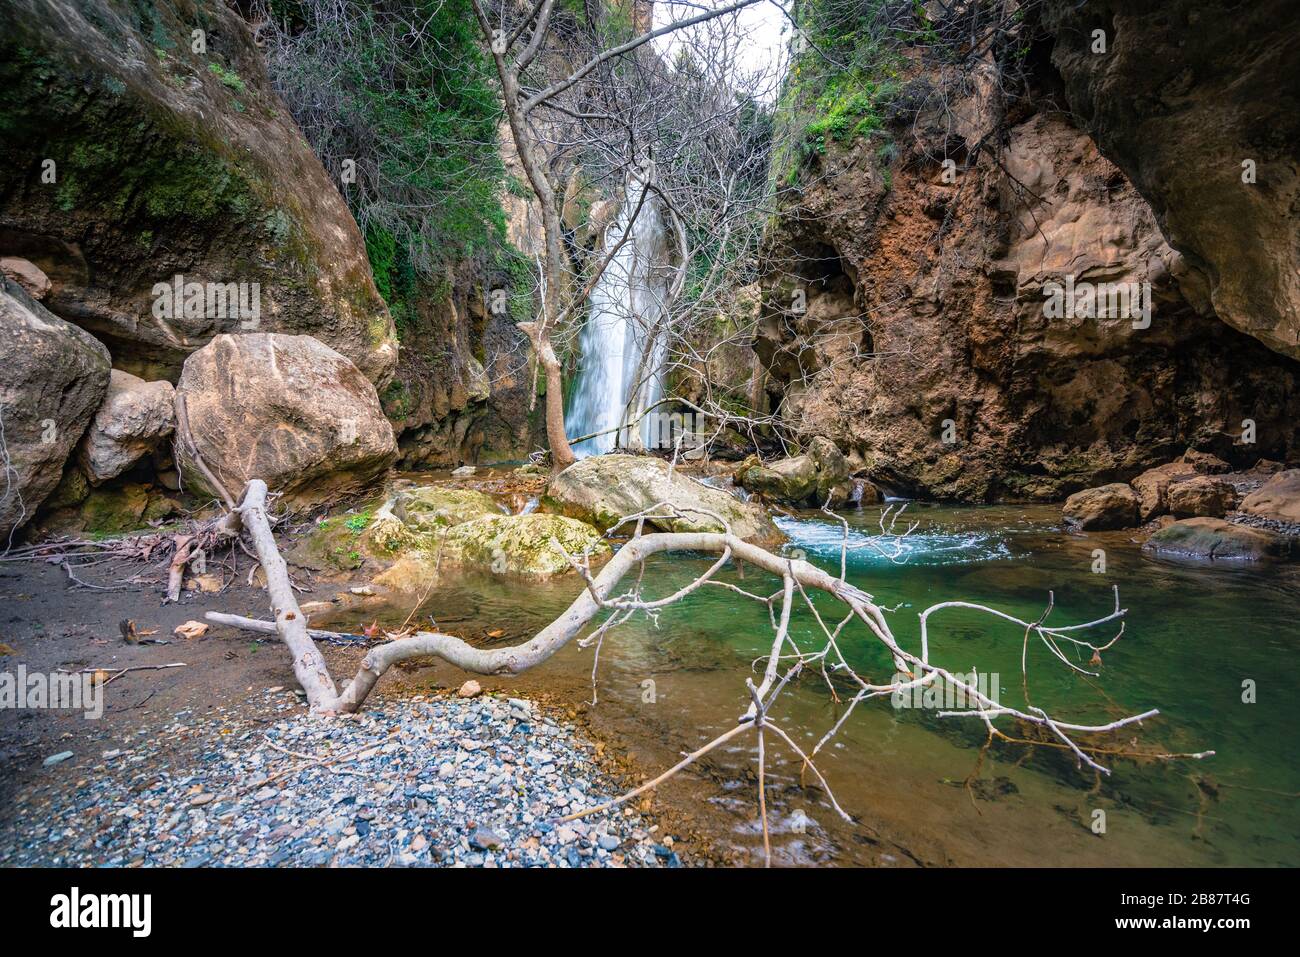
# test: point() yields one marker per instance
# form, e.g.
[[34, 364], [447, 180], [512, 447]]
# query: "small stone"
[[470, 689], [54, 759], [484, 840]]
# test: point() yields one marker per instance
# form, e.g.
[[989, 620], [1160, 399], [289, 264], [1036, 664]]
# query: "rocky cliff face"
[[142, 141], [1199, 104], [906, 310], [461, 390]]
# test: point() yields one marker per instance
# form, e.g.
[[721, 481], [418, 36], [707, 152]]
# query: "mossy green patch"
[[522, 545]]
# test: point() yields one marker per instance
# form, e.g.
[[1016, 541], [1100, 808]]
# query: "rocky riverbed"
[[429, 781]]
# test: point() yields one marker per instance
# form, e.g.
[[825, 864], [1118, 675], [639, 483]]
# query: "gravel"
[[1280, 526], [418, 782]]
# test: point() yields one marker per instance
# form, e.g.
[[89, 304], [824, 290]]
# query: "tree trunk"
[[561, 452]]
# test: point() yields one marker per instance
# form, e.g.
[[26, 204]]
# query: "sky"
[[764, 27]]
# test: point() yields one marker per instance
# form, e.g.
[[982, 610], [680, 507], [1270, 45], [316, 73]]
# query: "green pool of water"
[[917, 785]]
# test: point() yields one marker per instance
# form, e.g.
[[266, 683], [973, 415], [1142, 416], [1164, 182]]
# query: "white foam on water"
[[933, 546]]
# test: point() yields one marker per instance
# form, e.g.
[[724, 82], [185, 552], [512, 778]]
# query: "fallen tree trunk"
[[308, 664]]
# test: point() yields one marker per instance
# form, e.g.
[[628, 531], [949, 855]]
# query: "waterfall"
[[626, 305]]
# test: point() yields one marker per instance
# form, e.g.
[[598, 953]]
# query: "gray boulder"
[[603, 489], [53, 377], [819, 475], [286, 409]]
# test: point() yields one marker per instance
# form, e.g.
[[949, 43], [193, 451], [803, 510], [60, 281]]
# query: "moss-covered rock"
[[433, 507], [1213, 539], [129, 156], [123, 508], [521, 545], [71, 490], [428, 531], [605, 489]]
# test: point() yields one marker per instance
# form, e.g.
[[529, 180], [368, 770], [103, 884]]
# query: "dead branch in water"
[[782, 664]]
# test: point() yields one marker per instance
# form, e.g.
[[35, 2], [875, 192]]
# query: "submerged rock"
[[1214, 539], [1278, 498], [133, 419], [286, 409], [604, 489], [53, 377], [1106, 507]]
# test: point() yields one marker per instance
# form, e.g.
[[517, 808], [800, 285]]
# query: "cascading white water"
[[625, 308]]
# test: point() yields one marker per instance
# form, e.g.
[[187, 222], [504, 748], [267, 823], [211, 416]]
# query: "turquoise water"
[[916, 784]]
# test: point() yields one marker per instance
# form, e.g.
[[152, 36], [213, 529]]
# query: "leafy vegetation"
[[399, 102], [842, 83]]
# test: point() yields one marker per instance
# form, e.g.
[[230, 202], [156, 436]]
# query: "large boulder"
[[819, 475], [1278, 498], [286, 409], [1213, 539], [132, 155], [792, 480], [418, 532], [1206, 463], [1152, 487], [133, 419], [52, 378], [431, 507], [28, 275], [1203, 496], [604, 489], [1106, 507]]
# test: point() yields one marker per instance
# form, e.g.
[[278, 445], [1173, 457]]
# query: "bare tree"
[[583, 96]]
